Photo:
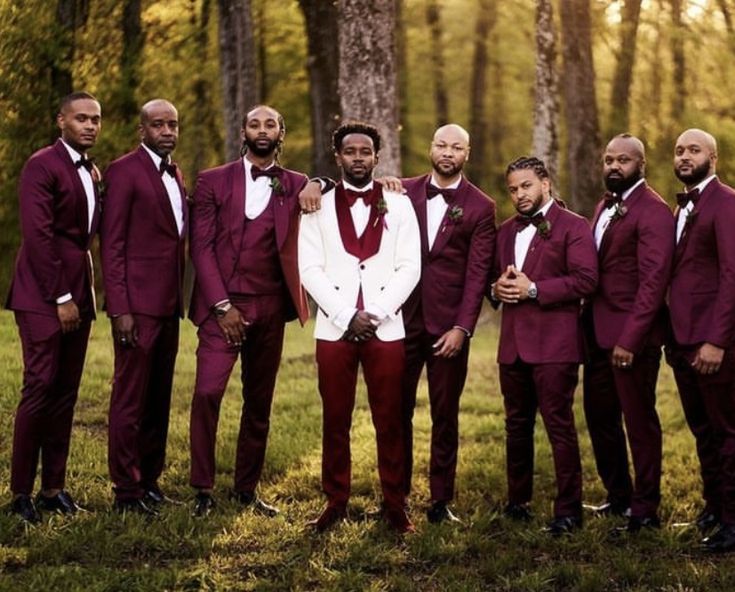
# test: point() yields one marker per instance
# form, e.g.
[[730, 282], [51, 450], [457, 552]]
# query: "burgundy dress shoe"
[[440, 512], [24, 507], [252, 501], [154, 497], [398, 520], [563, 525], [518, 512], [62, 502], [134, 506], [330, 516]]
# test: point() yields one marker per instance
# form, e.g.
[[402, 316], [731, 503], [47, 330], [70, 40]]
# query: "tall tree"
[[238, 68], [583, 137], [623, 77], [367, 72], [727, 10], [677, 53], [322, 64], [477, 167], [441, 99], [124, 104], [402, 68], [200, 87], [546, 101]]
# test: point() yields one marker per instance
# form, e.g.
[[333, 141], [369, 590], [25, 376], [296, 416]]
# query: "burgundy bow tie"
[[432, 191], [351, 195], [522, 221], [683, 199], [87, 163], [271, 172], [612, 199], [167, 167]]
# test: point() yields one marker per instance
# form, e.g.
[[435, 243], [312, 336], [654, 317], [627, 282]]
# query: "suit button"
[[336, 287], [362, 266]]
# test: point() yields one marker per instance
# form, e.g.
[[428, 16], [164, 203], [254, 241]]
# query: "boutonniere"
[[382, 207], [454, 216], [277, 188], [544, 229], [619, 212], [691, 218]]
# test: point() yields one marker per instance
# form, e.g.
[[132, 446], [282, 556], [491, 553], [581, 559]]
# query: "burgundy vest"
[[258, 271]]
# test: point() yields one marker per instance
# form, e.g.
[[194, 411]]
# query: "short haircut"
[[279, 118], [75, 96], [355, 127], [528, 163]]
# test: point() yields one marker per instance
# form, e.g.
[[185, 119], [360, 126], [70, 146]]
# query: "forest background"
[[554, 78]]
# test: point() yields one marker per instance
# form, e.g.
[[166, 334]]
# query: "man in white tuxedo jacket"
[[360, 258]]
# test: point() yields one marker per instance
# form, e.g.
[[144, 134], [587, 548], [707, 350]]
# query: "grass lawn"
[[236, 550]]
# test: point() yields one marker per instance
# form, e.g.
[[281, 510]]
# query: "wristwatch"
[[221, 310], [532, 291]]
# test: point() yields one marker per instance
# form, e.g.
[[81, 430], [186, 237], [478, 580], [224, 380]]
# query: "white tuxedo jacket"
[[334, 277]]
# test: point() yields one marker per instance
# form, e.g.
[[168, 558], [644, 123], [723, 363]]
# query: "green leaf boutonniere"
[[382, 207], [619, 212], [691, 218], [277, 188], [454, 216], [544, 229]]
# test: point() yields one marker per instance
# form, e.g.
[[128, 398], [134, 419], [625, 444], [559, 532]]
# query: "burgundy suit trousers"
[[709, 408], [611, 395], [140, 404], [550, 388], [446, 379], [383, 364], [260, 357], [52, 369]]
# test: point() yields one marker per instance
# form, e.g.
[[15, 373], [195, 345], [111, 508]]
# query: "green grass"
[[236, 550]]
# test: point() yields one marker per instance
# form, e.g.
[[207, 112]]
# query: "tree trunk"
[[367, 72], [441, 100], [623, 78], [238, 68], [678, 102], [583, 150], [546, 100], [125, 104], [323, 66], [200, 89], [402, 68], [477, 168]]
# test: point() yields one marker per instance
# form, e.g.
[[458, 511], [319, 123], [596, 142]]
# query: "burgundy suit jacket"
[[54, 257], [455, 271], [217, 222], [141, 248], [564, 266], [635, 258], [702, 293]]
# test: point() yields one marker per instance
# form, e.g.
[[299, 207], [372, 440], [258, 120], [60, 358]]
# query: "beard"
[[698, 174], [619, 185], [443, 170], [261, 151]]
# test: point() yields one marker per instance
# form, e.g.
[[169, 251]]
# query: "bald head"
[[701, 137], [450, 149], [628, 143], [155, 106], [159, 126], [451, 133], [695, 157]]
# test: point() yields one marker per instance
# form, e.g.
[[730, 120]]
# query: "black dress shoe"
[[707, 521], [721, 541], [518, 512], [252, 501], [24, 507], [621, 510], [154, 497], [563, 525], [203, 505], [636, 524], [330, 516], [62, 502], [134, 506], [399, 521], [440, 512]]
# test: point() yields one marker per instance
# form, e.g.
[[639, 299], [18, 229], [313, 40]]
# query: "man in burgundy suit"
[[53, 299], [360, 258], [244, 228], [142, 236], [457, 224], [545, 263], [625, 328], [702, 302]]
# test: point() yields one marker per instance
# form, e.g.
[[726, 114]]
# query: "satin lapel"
[[509, 248], [420, 206], [615, 223], [158, 188], [184, 202], [536, 248], [281, 209], [370, 239], [344, 221], [446, 228], [686, 232], [80, 195], [237, 203]]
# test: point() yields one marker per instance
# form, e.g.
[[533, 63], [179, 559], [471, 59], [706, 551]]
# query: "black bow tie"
[[612, 199], [87, 163], [352, 196], [683, 199], [432, 191], [271, 172], [167, 167], [522, 221]]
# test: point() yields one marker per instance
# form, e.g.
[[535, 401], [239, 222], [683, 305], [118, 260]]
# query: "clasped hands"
[[233, 326], [512, 286], [362, 327]]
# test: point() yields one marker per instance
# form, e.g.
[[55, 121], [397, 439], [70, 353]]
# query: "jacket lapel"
[[281, 210], [159, 189], [536, 248], [420, 207], [237, 202], [80, 195], [344, 221], [446, 228], [687, 231], [615, 223]]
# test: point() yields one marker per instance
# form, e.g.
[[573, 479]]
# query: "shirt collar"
[[452, 186], [704, 183], [249, 165], [545, 208], [75, 156], [367, 187], [155, 157], [630, 190]]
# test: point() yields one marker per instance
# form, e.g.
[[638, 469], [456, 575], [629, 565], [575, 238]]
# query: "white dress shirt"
[[258, 192], [172, 190], [686, 210], [606, 215], [525, 236], [435, 210]]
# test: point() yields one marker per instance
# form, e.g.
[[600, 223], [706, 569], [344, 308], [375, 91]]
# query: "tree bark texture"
[[322, 63], [678, 102], [623, 77], [583, 149], [367, 72], [441, 99], [125, 104]]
